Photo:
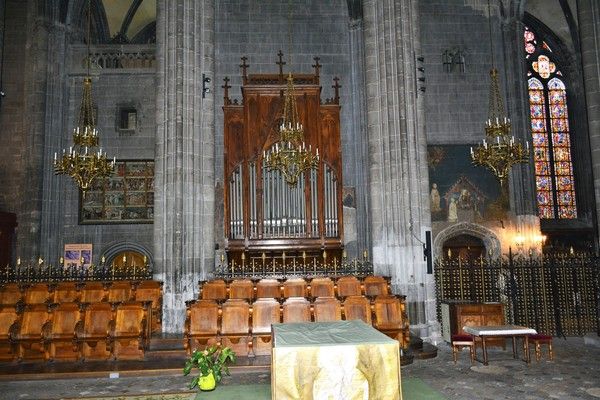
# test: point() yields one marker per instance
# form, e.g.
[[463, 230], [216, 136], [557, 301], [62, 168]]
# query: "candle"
[[40, 261], [145, 259], [61, 261], [103, 259], [124, 259], [55, 156], [471, 151], [18, 260]]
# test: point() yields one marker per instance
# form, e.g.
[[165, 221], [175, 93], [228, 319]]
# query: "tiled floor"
[[575, 374]]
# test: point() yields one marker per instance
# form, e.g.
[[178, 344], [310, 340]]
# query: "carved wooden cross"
[[244, 66], [281, 63], [336, 87], [317, 66], [226, 87]]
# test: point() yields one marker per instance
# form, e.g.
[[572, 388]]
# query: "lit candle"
[[61, 261], [124, 259]]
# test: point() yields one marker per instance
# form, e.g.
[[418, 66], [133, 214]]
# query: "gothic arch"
[[487, 236], [113, 249]]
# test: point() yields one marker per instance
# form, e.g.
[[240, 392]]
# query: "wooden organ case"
[[265, 216]]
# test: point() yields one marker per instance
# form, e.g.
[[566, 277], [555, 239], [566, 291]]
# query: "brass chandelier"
[[499, 151], [85, 161], [290, 155]]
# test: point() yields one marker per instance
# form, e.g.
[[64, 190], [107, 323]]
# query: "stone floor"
[[574, 374]]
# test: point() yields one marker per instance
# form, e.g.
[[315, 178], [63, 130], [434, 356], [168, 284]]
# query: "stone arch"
[[487, 236], [112, 250]]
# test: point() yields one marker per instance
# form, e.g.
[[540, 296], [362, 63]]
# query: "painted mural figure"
[[452, 211], [435, 199], [464, 200]]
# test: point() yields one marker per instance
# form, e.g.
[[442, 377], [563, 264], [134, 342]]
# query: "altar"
[[344, 360]]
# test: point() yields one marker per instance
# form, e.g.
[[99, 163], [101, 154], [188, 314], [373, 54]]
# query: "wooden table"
[[502, 331]]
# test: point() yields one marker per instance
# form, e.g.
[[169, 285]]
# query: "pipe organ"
[[263, 213]]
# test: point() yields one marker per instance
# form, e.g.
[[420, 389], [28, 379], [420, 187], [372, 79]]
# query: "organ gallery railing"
[[293, 265], [556, 294]]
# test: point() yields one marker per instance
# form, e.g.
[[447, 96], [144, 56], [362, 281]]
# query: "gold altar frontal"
[[345, 360]]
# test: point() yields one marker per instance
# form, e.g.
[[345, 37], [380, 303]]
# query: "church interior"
[[419, 177]]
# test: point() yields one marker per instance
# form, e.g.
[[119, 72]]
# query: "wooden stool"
[[460, 341], [538, 340]]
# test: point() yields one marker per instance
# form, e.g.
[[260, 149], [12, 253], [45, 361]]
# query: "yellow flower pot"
[[207, 382]]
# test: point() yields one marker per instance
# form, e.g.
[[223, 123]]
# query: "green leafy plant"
[[213, 359]]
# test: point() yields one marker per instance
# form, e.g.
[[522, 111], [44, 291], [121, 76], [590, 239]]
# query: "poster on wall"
[[460, 191], [77, 254], [127, 197]]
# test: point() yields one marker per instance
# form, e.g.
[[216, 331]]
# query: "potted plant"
[[211, 363]]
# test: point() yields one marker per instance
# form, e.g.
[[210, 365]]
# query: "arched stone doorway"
[[464, 246], [134, 254], [477, 233]]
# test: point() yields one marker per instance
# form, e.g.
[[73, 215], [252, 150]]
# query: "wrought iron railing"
[[556, 294], [40, 272]]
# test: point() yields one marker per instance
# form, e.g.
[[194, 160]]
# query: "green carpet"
[[412, 389]]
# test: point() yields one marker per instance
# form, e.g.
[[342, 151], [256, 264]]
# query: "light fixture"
[[499, 151], [290, 155], [453, 58], [85, 161]]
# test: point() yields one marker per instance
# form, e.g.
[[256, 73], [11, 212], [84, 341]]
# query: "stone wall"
[[456, 104], [110, 90]]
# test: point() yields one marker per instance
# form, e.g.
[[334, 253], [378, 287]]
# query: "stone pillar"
[[184, 176], [399, 203], [33, 153], [588, 12], [57, 136], [359, 133], [514, 78]]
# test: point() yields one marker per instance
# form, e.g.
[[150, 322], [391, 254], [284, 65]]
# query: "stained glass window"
[[549, 132]]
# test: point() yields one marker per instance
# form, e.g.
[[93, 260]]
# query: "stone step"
[[165, 354], [166, 342]]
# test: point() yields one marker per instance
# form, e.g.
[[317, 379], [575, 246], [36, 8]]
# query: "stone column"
[[588, 12], [399, 207], [514, 78], [184, 176], [57, 136], [359, 133], [35, 156]]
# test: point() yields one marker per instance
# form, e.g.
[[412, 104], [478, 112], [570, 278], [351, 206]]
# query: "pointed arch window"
[[550, 133]]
